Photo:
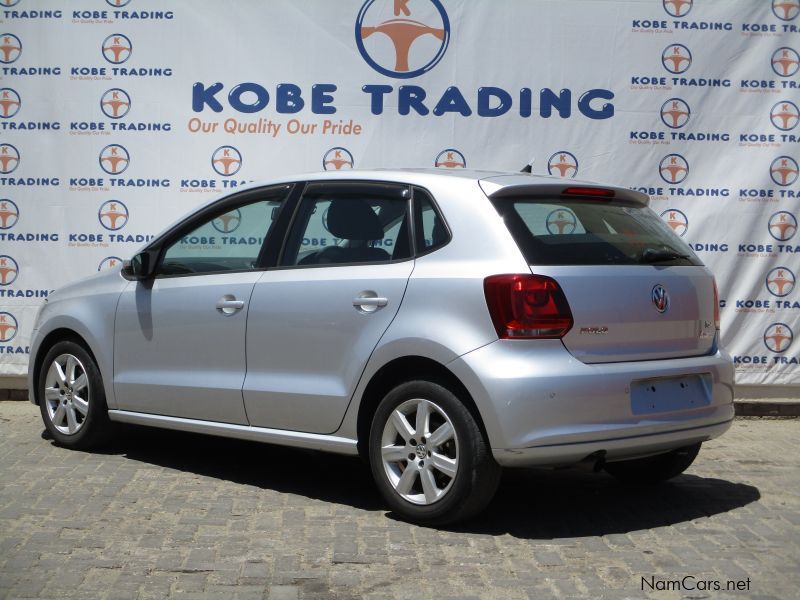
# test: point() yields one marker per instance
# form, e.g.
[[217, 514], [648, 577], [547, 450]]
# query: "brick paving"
[[171, 514]]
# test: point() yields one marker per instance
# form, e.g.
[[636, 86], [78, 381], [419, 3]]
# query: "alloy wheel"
[[67, 394], [419, 450]]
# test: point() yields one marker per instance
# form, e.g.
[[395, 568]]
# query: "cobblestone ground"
[[163, 513]]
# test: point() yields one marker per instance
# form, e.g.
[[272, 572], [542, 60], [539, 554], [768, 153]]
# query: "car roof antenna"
[[527, 168]]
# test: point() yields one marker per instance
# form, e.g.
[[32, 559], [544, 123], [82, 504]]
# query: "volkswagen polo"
[[441, 325]]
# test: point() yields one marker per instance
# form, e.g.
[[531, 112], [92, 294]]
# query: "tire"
[[454, 476], [72, 399], [654, 469]]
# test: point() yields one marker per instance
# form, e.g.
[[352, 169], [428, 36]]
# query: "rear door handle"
[[369, 303], [228, 304]]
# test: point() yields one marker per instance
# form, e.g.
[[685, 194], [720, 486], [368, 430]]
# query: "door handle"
[[228, 304], [369, 303]]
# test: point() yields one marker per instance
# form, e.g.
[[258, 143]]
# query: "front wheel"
[[71, 397], [654, 469], [428, 456]]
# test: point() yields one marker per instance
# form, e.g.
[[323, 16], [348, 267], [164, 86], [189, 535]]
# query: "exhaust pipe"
[[593, 463]]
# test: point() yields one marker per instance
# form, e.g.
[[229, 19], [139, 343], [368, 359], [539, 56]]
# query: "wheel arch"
[[61, 334], [397, 371]]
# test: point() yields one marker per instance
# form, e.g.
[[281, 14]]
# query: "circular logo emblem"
[[109, 262], [8, 327], [675, 113], [9, 3], [114, 159], [678, 8], [9, 214], [786, 10], [782, 226], [117, 48], [673, 168], [676, 58], [115, 103], [563, 163], [561, 221], [784, 115], [785, 62], [118, 3], [9, 158], [337, 159], [783, 170], [10, 103], [10, 48], [778, 337], [676, 220], [228, 222], [660, 298], [450, 158], [780, 281], [113, 215], [9, 269], [226, 160], [399, 43]]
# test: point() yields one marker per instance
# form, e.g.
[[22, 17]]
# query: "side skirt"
[[309, 441]]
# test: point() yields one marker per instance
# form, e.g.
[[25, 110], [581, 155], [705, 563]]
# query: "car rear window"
[[558, 231]]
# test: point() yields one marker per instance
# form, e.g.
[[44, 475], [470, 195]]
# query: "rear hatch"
[[635, 289]]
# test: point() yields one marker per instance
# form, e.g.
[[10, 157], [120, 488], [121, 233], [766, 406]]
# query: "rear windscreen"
[[591, 232]]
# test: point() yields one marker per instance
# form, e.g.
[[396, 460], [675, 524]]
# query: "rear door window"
[[578, 231], [349, 223]]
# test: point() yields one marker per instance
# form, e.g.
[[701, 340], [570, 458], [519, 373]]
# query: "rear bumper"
[[611, 449], [543, 407]]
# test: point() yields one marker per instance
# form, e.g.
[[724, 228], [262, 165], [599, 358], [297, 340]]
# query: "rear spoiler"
[[529, 186]]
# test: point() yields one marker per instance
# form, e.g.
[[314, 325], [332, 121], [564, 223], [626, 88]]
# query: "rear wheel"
[[428, 455], [654, 469], [71, 397]]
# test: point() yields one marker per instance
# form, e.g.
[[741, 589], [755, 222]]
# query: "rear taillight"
[[527, 306], [716, 305]]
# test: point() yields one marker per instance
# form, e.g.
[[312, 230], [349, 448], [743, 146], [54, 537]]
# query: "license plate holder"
[[669, 394]]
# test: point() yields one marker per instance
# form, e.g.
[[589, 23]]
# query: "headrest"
[[353, 219]]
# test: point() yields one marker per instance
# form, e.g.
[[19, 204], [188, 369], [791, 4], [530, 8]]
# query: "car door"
[[316, 318], [180, 337]]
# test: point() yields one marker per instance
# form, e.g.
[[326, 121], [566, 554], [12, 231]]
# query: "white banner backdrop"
[[118, 116]]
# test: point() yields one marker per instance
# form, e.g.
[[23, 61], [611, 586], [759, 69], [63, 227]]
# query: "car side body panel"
[[176, 354], [303, 367], [88, 308]]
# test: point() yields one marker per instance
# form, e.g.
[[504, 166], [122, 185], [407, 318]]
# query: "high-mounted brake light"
[[716, 305], [588, 191], [527, 306]]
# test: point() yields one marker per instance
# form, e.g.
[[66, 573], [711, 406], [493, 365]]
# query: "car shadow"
[[567, 503], [530, 503]]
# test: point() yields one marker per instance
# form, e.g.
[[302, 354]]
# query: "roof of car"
[[491, 181]]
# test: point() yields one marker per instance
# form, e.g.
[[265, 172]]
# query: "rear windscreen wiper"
[[651, 255]]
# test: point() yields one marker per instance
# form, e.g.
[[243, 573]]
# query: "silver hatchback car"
[[441, 325]]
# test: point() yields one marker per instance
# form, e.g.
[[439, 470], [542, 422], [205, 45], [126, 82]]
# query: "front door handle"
[[228, 304], [369, 302]]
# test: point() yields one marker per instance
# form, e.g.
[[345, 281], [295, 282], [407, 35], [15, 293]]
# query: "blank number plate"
[[670, 393]]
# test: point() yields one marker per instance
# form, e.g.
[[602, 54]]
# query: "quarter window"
[[431, 230]]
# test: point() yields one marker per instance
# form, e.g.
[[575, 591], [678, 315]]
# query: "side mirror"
[[140, 267]]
